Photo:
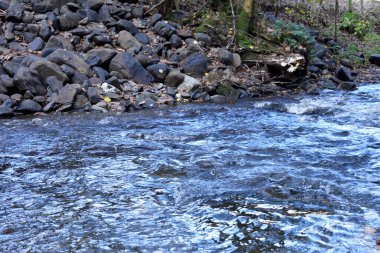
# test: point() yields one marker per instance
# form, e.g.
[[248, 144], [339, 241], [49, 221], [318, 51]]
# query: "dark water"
[[294, 175]]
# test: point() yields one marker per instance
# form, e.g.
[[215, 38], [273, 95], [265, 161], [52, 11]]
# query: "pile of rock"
[[60, 55]]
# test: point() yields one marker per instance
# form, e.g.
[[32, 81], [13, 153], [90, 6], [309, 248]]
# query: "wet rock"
[[130, 68], [227, 90], [54, 84], [327, 84], [164, 29], [127, 41], [204, 38], [195, 64], [375, 59], [28, 106], [27, 79], [6, 113], [67, 94], [344, 74], [174, 78], [36, 45], [226, 57], [218, 99], [46, 68], [188, 87], [158, 71], [14, 12], [62, 56], [347, 86]]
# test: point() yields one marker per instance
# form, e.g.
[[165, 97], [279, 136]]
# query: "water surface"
[[283, 175]]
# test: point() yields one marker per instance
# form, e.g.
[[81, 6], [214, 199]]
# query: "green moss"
[[243, 21]]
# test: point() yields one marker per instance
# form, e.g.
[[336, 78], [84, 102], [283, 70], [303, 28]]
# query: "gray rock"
[[226, 57], [95, 4], [155, 18], [3, 88], [69, 21], [125, 25], [93, 95], [49, 5], [81, 102], [130, 68], [164, 29], [62, 56], [202, 37], [347, 86], [54, 84], [188, 87], [126, 40], [176, 41], [67, 94], [37, 44], [45, 68], [58, 41], [28, 106], [174, 78], [143, 38], [105, 54], [27, 79], [6, 81], [375, 59], [344, 74], [138, 12], [195, 64], [6, 113], [8, 104], [237, 60], [158, 71], [14, 12], [320, 50]]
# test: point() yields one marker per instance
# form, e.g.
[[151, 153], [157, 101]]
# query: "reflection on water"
[[281, 175]]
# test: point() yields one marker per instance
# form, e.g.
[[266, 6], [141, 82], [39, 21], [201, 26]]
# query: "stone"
[[62, 56], [58, 41], [130, 68], [237, 60], [375, 59], [142, 38], [138, 12], [93, 95], [188, 87], [105, 55], [195, 64], [158, 71], [101, 40], [68, 21], [28, 106], [218, 99], [95, 4], [3, 88], [54, 84], [14, 12], [176, 41], [36, 45], [174, 78], [320, 50], [46, 68], [226, 57], [6, 113], [155, 18], [314, 69], [344, 74], [145, 101], [164, 29], [27, 79], [127, 41], [81, 102], [7, 81], [226, 89], [125, 25], [204, 38], [49, 5], [67, 94], [347, 86]]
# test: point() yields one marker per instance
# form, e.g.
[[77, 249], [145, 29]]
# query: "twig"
[[233, 25], [155, 6]]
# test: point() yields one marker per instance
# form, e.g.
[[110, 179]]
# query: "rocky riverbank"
[[99, 55]]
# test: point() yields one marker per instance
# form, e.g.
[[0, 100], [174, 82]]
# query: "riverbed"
[[297, 174]]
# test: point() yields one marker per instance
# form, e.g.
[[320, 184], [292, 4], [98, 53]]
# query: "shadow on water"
[[280, 175]]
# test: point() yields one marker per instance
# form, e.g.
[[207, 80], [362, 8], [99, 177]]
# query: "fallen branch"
[[155, 6]]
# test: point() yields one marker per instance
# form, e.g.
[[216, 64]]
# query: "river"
[[297, 174]]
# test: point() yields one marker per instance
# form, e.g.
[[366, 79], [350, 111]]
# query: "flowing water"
[[300, 174]]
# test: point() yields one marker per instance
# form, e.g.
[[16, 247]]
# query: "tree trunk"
[[336, 19], [350, 7]]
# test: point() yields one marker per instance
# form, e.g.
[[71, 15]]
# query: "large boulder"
[[130, 68], [28, 79], [67, 94], [195, 64], [375, 59], [46, 68], [28, 106], [62, 56]]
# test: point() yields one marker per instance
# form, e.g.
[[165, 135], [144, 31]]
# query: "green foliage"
[[353, 23], [294, 35]]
